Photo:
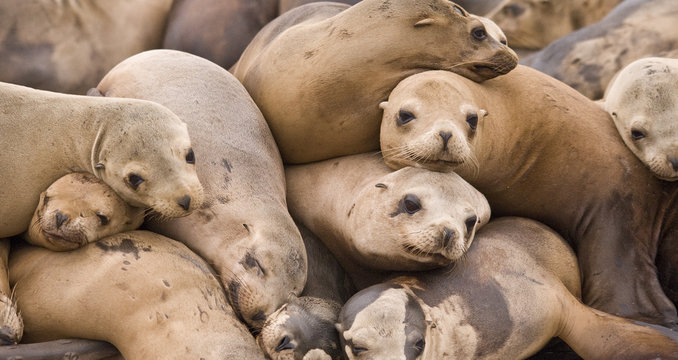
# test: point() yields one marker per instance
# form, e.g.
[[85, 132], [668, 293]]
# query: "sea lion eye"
[[472, 120], [357, 350], [284, 344], [419, 346], [470, 223], [411, 204], [190, 157], [103, 219], [134, 180], [404, 117], [637, 134], [45, 200], [479, 33]]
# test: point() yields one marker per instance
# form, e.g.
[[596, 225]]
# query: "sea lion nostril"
[[448, 234], [446, 135], [60, 219], [674, 163], [184, 202]]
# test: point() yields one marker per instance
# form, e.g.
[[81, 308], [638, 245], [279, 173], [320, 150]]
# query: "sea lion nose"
[[448, 234], [674, 163], [446, 135], [60, 219], [185, 202]]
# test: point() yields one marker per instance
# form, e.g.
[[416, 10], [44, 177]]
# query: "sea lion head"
[[302, 329], [78, 209], [431, 123], [383, 321], [533, 24], [414, 219], [146, 157], [643, 103]]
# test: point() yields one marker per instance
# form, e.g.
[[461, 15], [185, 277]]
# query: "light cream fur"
[[643, 102], [318, 72], [505, 303], [148, 295], [67, 46], [244, 229], [11, 323], [78, 209], [47, 135], [357, 206]]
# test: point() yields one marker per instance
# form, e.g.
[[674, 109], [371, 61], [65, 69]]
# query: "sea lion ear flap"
[[424, 22], [94, 92], [483, 112], [460, 11], [383, 105], [339, 328]]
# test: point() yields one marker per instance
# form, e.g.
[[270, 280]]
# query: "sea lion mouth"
[[58, 240], [431, 256], [441, 165]]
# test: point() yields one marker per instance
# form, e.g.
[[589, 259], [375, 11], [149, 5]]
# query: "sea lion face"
[[643, 103], [150, 163], [475, 53], [383, 321], [414, 219], [78, 209], [431, 124], [302, 329]]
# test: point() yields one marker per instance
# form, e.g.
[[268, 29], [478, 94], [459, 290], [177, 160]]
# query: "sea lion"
[[78, 209], [66, 46], [149, 296], [588, 58], [287, 5], [510, 296], [77, 349], [537, 148], [303, 328], [244, 229], [372, 218], [643, 102], [318, 72], [533, 24], [11, 323]]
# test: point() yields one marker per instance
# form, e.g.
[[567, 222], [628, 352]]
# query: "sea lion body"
[[66, 46], [512, 294], [138, 148], [244, 229], [533, 24], [372, 218], [537, 148], [78, 209], [643, 102], [319, 71], [148, 295], [588, 58]]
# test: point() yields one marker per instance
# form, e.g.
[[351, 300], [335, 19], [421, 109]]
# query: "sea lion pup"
[[66, 46], [513, 293], [632, 30], [372, 218], [244, 229], [643, 102], [318, 72], [533, 24], [304, 327], [149, 296], [518, 140], [78, 209]]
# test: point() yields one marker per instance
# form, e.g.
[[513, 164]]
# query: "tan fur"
[[533, 24], [47, 135], [533, 155], [356, 206], [146, 294], [644, 98], [67, 46], [320, 97], [244, 228], [504, 303], [11, 323], [78, 209]]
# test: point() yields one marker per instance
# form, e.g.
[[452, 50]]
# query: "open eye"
[[419, 345], [134, 180], [190, 157], [411, 204], [637, 134], [472, 120], [103, 219], [284, 344], [404, 117], [479, 33], [470, 223]]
